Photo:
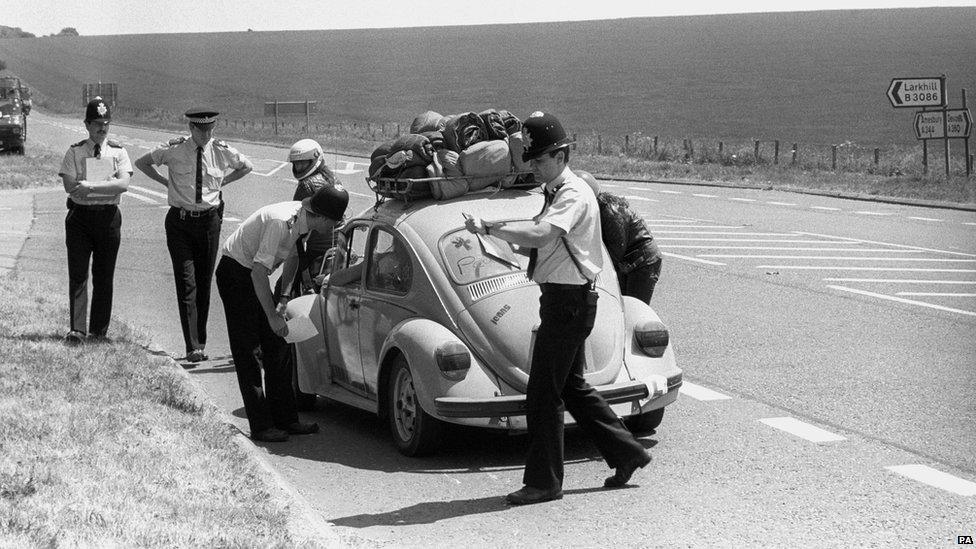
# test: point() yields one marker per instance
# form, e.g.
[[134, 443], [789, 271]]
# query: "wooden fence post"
[[755, 153], [833, 157], [877, 156], [793, 153], [627, 144], [721, 147], [599, 144], [655, 144], [574, 142], [776, 152]]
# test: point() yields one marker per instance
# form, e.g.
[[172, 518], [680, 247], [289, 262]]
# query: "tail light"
[[453, 360], [652, 338]]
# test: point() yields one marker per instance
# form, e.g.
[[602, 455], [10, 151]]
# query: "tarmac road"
[[828, 348]]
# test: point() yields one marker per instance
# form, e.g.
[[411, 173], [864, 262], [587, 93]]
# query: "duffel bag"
[[463, 130], [428, 121]]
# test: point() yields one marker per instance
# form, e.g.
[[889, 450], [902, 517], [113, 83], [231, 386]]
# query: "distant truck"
[[15, 105]]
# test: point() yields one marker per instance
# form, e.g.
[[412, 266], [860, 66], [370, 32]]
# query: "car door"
[[342, 312]]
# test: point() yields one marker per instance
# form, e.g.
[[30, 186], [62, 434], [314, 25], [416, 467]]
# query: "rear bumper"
[[514, 405]]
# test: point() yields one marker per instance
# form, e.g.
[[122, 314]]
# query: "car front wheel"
[[415, 432], [645, 424]]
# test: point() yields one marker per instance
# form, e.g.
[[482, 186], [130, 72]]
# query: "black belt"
[[554, 287], [183, 213], [90, 207]]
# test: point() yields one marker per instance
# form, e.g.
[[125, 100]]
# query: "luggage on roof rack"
[[440, 188]]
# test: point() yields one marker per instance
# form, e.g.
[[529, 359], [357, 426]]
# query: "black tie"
[[534, 252], [98, 150], [199, 175]]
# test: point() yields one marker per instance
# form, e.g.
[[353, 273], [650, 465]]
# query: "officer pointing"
[[199, 166]]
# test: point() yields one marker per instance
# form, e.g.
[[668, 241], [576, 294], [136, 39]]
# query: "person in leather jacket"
[[632, 249]]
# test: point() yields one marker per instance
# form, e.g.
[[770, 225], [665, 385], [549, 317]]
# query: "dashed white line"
[[842, 268], [781, 203], [934, 294], [926, 219], [900, 281], [864, 212], [883, 244], [795, 248], [704, 195], [138, 196], [779, 241], [838, 258], [691, 226], [698, 392], [743, 199], [148, 191], [695, 259], [641, 198], [801, 429], [902, 300], [670, 192], [715, 232], [935, 478], [825, 208]]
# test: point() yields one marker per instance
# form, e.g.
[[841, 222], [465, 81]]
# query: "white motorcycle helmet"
[[305, 157]]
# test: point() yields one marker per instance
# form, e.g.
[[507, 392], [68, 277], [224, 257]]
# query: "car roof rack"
[[414, 188]]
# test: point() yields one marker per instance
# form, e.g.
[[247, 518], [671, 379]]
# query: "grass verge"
[[38, 167], [106, 445]]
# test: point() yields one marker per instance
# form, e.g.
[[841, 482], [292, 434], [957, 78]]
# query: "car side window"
[[348, 262], [390, 269]]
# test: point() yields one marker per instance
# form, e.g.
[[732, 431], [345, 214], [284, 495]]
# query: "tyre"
[[414, 431], [645, 424]]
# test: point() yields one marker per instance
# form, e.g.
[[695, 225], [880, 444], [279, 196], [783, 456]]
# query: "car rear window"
[[469, 258]]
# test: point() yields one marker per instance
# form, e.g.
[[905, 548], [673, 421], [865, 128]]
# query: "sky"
[[98, 17]]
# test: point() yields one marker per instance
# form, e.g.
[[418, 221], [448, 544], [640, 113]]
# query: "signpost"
[[917, 92], [108, 91], [282, 108]]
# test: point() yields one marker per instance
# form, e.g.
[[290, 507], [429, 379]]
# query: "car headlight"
[[16, 130], [453, 359], [652, 337]]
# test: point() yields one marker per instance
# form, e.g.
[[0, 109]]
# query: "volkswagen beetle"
[[422, 323]]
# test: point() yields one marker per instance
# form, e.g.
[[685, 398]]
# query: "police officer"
[[199, 166], [255, 319], [94, 172], [565, 259]]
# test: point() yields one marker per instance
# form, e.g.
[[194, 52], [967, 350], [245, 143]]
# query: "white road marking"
[[671, 192], [779, 241], [838, 258], [232, 219], [148, 191], [968, 223], [704, 195], [280, 165], [781, 203], [743, 199], [902, 300], [138, 196], [935, 478], [825, 208], [691, 226], [641, 198], [349, 169], [637, 188], [885, 244], [926, 219], [900, 280], [695, 259], [795, 248], [934, 294], [715, 232], [865, 212], [801, 429], [840, 268], [698, 392]]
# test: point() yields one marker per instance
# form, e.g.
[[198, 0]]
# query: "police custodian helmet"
[[97, 111], [542, 133], [329, 201]]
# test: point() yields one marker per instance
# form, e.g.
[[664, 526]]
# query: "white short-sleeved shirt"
[[574, 210], [73, 165], [180, 158], [267, 236]]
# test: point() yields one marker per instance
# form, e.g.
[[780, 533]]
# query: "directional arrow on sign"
[[917, 92]]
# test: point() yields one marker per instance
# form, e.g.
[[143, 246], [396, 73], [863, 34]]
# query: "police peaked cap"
[[97, 111], [542, 133], [201, 115]]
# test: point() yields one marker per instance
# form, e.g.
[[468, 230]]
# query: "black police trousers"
[[556, 384], [92, 235], [193, 243], [249, 332]]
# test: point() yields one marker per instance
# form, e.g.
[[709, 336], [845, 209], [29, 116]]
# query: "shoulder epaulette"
[[114, 144], [178, 140], [80, 143]]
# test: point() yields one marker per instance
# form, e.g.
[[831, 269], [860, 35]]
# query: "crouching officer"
[[95, 172], [262, 242], [199, 166], [565, 259]]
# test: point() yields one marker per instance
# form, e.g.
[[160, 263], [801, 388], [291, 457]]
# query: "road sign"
[[108, 91], [303, 108], [917, 92], [958, 123], [932, 125]]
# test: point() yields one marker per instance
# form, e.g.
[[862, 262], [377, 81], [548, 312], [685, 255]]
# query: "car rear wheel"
[[645, 424], [415, 432]]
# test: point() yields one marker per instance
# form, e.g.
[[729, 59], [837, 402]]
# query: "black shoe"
[[271, 434], [74, 337], [529, 495], [623, 473], [299, 428], [196, 355]]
